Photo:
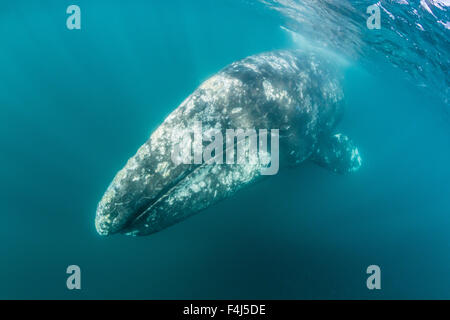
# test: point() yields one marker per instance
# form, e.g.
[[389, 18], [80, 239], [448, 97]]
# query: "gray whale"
[[297, 92]]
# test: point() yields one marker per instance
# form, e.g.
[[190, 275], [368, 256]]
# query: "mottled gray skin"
[[298, 93]]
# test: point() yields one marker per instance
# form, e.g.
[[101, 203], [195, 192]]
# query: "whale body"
[[296, 92]]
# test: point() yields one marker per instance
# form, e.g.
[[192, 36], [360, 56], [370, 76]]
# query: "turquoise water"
[[75, 105]]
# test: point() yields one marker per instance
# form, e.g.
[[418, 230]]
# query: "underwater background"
[[76, 104]]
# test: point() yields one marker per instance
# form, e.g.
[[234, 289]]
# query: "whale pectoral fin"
[[337, 153]]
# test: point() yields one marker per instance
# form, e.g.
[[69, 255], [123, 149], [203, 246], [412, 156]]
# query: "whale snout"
[[113, 214], [134, 190], [120, 207], [133, 199], [107, 218]]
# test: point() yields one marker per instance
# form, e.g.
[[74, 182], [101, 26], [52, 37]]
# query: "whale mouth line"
[[146, 209]]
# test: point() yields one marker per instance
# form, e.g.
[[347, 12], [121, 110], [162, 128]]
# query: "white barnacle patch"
[[189, 104], [158, 133], [268, 90], [213, 84], [161, 168], [143, 152], [121, 175], [251, 66], [273, 94], [236, 110], [147, 178], [131, 164], [108, 197], [218, 87], [195, 187], [156, 138]]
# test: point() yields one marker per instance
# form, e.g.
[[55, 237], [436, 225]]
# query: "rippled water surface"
[[414, 35]]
